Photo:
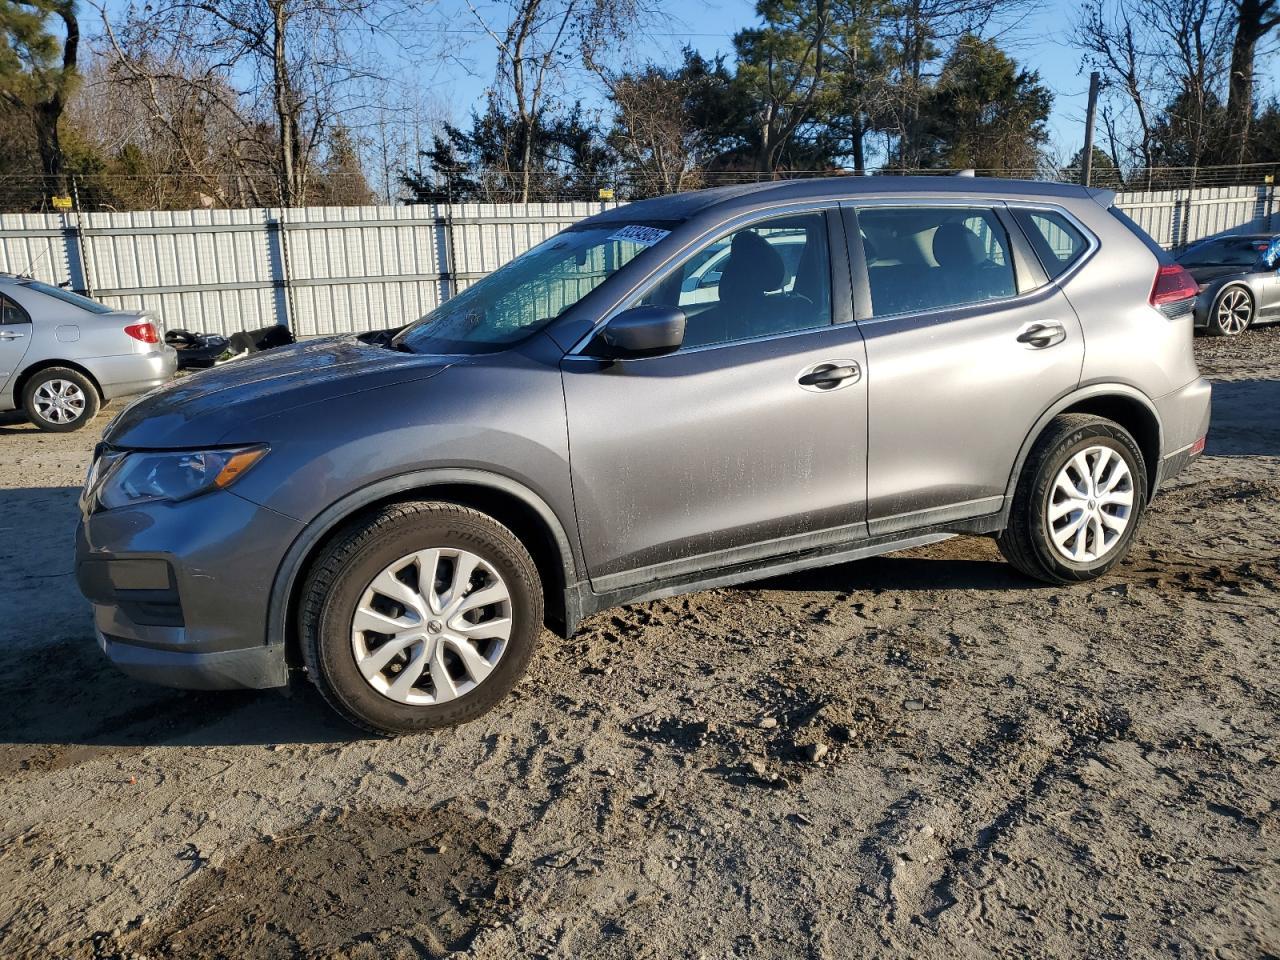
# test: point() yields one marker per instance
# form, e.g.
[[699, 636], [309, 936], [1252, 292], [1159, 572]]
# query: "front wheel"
[[1232, 313], [422, 615], [1078, 501]]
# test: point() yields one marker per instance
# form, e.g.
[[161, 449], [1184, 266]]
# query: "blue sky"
[[1038, 41], [452, 76]]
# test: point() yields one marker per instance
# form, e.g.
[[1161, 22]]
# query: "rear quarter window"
[[1058, 243]]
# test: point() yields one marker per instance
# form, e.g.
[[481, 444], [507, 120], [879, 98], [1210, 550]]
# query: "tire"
[[357, 573], [1041, 511], [60, 400], [1232, 312]]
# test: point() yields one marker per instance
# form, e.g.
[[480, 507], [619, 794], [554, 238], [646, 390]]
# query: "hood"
[[1205, 275], [206, 408]]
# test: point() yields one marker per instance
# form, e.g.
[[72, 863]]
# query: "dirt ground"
[[922, 755]]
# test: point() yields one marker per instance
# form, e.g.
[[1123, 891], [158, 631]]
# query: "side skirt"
[[581, 601]]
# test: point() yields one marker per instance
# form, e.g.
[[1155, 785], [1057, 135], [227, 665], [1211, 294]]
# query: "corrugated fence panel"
[[209, 270], [1175, 218], [363, 268], [327, 270], [35, 244]]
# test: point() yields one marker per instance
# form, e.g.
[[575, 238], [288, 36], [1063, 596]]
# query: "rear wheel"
[[1078, 501], [1232, 312], [59, 399], [422, 615]]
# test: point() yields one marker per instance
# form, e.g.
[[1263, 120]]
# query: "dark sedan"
[[1239, 278]]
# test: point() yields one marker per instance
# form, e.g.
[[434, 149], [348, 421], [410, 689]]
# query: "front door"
[[730, 449]]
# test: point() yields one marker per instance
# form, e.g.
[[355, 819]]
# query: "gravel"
[[959, 763]]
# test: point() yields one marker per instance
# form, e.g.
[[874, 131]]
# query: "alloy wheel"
[[1234, 312], [431, 626], [1091, 504], [60, 401]]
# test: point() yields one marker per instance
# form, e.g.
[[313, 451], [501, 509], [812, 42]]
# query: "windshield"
[[532, 290], [1227, 252], [66, 296]]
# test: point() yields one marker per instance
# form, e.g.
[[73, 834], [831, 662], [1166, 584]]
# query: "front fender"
[[293, 565]]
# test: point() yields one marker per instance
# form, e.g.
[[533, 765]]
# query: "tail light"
[[145, 331], [1173, 284]]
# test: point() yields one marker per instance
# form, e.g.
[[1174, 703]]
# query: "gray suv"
[[399, 514]]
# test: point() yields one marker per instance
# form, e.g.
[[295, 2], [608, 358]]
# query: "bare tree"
[[538, 42], [295, 64], [1166, 59], [1198, 31], [1113, 43]]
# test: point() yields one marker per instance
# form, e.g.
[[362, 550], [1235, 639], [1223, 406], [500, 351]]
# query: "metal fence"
[[321, 270]]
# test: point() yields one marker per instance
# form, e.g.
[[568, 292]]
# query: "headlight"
[[171, 475]]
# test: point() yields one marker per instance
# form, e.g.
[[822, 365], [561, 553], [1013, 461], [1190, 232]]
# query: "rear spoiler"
[[1104, 198]]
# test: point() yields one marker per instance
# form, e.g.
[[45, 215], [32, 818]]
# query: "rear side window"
[[929, 258], [1057, 242], [11, 313]]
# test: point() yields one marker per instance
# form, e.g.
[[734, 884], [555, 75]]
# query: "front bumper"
[[255, 668], [180, 591]]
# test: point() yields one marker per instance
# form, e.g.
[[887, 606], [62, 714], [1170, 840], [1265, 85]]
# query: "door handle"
[[831, 374], [1042, 333], [9, 335]]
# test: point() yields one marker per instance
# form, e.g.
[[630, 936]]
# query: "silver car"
[[1239, 277], [63, 355], [399, 514]]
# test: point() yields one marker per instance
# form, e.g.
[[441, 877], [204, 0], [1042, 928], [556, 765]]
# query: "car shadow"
[[56, 686], [1244, 420], [14, 423], [905, 573]]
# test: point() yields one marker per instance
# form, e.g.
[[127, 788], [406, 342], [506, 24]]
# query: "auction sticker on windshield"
[[645, 236]]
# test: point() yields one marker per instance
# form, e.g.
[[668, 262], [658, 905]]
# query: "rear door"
[[967, 341], [719, 453], [15, 339]]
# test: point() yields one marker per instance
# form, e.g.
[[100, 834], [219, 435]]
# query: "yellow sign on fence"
[[606, 193], [61, 203]]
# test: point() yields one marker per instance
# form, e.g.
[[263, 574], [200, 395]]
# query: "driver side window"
[[769, 278]]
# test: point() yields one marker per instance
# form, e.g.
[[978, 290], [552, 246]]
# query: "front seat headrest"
[[957, 246], [753, 268]]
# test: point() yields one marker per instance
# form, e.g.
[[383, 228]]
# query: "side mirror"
[[648, 331]]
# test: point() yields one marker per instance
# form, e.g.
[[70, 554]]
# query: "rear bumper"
[[133, 373], [1184, 415]]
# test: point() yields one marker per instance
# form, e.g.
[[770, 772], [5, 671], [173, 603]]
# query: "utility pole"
[[1086, 160]]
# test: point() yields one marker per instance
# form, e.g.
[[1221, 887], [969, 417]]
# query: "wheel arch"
[[1241, 283], [20, 382], [509, 502], [1112, 401]]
